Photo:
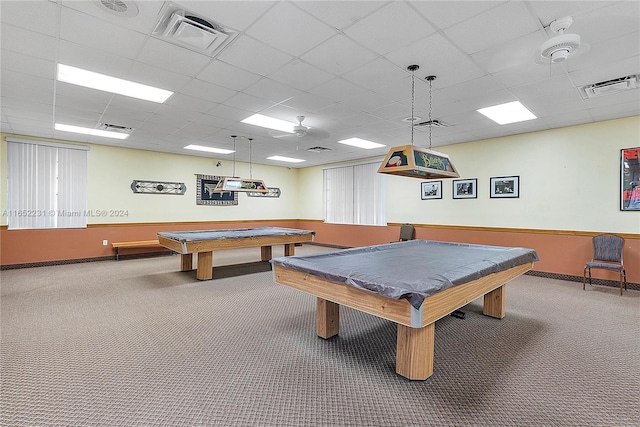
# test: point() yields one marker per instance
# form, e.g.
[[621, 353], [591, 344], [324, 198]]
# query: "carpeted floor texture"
[[138, 343]]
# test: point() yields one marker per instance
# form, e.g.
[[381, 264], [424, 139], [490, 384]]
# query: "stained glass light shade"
[[416, 162], [228, 184]]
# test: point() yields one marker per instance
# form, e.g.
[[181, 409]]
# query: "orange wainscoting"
[[36, 246], [560, 252]]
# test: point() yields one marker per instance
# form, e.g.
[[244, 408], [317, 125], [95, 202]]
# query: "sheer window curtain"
[[46, 185], [355, 194]]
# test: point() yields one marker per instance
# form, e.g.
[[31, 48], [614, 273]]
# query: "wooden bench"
[[141, 243]]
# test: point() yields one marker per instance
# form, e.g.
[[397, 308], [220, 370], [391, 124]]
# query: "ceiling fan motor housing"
[[560, 47]]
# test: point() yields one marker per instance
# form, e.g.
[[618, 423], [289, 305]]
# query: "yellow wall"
[[111, 171], [569, 180]]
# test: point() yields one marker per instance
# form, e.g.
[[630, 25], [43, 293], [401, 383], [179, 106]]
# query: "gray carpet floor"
[[138, 343]]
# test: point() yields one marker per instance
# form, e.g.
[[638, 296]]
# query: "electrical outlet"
[[104, 243]]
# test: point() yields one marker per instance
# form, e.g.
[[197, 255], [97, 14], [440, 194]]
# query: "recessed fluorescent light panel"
[[90, 131], [285, 159], [80, 77], [269, 123], [361, 143], [208, 149], [510, 112]]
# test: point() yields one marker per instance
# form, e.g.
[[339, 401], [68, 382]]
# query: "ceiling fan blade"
[[280, 134]]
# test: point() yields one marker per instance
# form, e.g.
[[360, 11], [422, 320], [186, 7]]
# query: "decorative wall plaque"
[[205, 184], [158, 187], [273, 192]]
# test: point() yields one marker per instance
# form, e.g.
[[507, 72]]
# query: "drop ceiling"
[[343, 65]]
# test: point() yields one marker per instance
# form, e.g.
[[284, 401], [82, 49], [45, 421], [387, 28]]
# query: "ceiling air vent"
[[186, 29], [432, 123], [318, 149], [610, 86], [115, 128]]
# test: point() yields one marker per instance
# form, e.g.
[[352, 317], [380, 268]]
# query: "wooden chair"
[[407, 232], [607, 255]]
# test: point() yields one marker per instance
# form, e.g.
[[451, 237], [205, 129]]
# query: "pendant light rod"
[[250, 158], [413, 69], [430, 79], [234, 154]]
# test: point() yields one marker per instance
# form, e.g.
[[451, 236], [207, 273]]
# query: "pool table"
[[411, 283], [204, 242]]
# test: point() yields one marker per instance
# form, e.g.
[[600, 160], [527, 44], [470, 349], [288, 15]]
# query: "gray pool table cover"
[[413, 269], [235, 233]]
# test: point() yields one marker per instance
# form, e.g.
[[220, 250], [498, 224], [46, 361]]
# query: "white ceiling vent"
[[610, 86], [115, 128], [318, 149], [433, 123], [186, 29]]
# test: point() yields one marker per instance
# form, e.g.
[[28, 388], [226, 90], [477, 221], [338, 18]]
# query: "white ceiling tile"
[[303, 31], [92, 60], [392, 27], [300, 75], [207, 91], [86, 30], [444, 14], [27, 42], [426, 51], [338, 55], [40, 17], [272, 90], [519, 52], [26, 64], [192, 103], [307, 102], [167, 56], [223, 74], [342, 17], [375, 74], [505, 22], [254, 56], [247, 102]]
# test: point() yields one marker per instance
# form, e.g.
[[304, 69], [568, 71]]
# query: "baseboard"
[[594, 281]]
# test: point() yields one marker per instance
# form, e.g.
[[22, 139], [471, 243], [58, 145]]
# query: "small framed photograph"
[[504, 187], [431, 190], [465, 188]]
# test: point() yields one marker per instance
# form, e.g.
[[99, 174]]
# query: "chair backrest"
[[608, 247], [407, 232]]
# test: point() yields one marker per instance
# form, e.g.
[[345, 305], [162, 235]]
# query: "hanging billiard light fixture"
[[231, 184], [416, 162]]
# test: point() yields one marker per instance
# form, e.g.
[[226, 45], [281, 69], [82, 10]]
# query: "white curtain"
[[46, 185], [355, 194]]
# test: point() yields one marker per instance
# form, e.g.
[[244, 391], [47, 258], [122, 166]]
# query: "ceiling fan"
[[300, 131]]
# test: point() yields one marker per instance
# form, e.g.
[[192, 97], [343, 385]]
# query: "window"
[[47, 185], [355, 194]]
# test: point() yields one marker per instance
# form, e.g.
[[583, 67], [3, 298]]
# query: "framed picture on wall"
[[431, 190], [630, 179], [205, 195], [465, 188], [501, 187]]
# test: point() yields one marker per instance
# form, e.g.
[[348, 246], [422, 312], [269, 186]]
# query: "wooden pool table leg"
[[289, 249], [205, 266], [495, 303], [186, 262], [265, 253], [328, 321], [414, 351]]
